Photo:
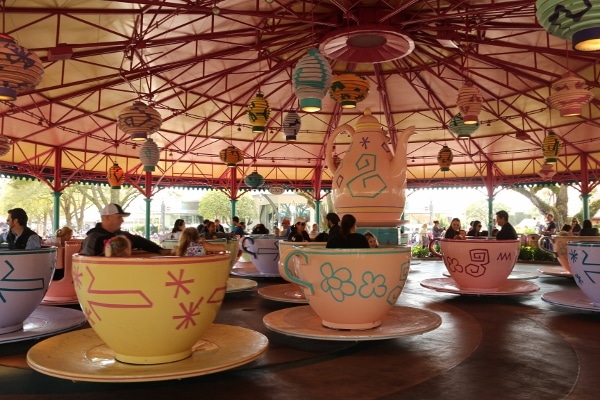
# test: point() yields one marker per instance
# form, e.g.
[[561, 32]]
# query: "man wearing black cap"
[[112, 218]]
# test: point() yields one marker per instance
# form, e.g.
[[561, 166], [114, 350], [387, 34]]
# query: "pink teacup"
[[349, 288], [480, 264]]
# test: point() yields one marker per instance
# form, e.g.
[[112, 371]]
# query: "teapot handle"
[[331, 143]]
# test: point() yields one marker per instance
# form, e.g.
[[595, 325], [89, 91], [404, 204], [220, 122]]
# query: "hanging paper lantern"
[[231, 155], [258, 112], [312, 79], [115, 176], [551, 147], [149, 154], [444, 158], [574, 20], [254, 180], [139, 120], [469, 103], [349, 89], [460, 129], [20, 69], [4, 145], [547, 171], [571, 95], [291, 125]]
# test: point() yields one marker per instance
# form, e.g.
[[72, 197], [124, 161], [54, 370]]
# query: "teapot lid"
[[367, 122]]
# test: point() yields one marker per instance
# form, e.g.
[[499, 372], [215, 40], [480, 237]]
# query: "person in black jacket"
[[19, 236], [508, 231], [112, 219], [348, 239]]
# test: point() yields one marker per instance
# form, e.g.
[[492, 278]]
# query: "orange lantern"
[[469, 103], [115, 176], [231, 155]]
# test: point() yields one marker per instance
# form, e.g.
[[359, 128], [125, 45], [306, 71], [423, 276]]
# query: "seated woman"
[[587, 230], [475, 229], [348, 238], [371, 239], [260, 229], [453, 231], [117, 246], [296, 233], [192, 244], [178, 228], [565, 231]]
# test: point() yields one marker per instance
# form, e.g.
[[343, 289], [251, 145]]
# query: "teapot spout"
[[399, 162]]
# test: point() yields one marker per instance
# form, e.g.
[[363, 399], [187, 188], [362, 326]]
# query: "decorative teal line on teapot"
[[370, 180]]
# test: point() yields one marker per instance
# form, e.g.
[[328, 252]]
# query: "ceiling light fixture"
[[573, 20]]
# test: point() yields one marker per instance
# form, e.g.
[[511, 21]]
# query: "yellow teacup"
[[151, 310]]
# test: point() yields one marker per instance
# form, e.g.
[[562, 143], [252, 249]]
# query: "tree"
[[479, 212], [548, 199], [216, 204]]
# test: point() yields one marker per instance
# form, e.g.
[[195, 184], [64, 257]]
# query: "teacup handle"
[[542, 244], [290, 276], [245, 248], [432, 243]]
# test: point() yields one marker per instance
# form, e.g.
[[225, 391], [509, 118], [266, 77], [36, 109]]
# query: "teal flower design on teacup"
[[337, 282], [373, 285]]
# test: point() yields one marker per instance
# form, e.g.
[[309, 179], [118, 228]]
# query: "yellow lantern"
[[469, 103], [444, 158], [551, 147], [231, 155], [349, 89], [258, 113]]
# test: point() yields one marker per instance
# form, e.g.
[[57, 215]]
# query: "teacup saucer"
[[46, 321], [514, 275], [286, 292], [83, 356], [239, 284], [510, 287], [572, 298], [303, 322], [252, 272], [65, 302], [555, 271]]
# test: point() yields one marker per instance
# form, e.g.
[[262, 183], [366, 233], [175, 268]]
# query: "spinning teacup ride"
[[148, 311], [479, 266]]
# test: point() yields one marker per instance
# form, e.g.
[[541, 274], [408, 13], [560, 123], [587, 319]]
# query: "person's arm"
[[33, 242], [139, 242], [93, 244]]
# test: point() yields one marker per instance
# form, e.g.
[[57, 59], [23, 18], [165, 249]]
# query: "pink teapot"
[[370, 180]]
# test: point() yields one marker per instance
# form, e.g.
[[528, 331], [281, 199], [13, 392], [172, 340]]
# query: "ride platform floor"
[[487, 347]]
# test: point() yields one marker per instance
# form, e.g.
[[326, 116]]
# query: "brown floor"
[[488, 347]]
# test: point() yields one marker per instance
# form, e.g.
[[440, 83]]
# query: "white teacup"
[[349, 288], [584, 260], [151, 310], [559, 246], [481, 265], [263, 251], [24, 279]]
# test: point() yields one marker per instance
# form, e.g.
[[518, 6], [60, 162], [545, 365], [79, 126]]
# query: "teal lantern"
[[254, 180], [311, 79], [574, 20], [460, 129]]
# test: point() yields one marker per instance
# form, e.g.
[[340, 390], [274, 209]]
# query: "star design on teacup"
[[179, 283], [189, 312]]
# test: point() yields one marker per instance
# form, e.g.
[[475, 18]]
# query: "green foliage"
[[479, 212], [216, 204], [526, 253], [541, 255], [419, 251]]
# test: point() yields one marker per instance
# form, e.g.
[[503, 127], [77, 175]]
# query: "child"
[[118, 246], [191, 244], [371, 239]]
